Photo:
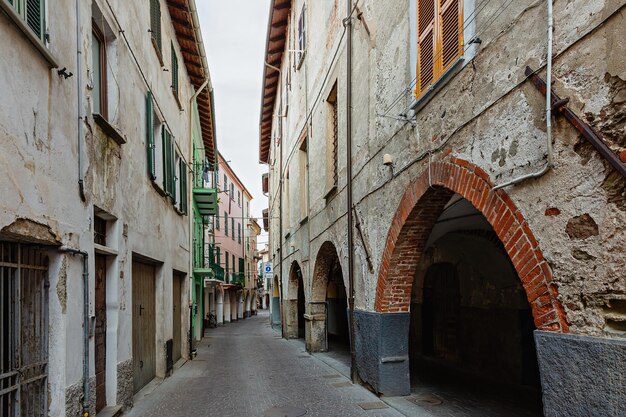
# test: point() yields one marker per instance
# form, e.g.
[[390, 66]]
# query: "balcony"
[[238, 278], [204, 265], [204, 191]]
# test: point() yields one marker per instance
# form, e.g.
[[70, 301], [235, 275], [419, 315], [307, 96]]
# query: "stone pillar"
[[382, 351], [275, 307], [219, 308], [316, 328], [291, 319], [581, 375], [227, 307]]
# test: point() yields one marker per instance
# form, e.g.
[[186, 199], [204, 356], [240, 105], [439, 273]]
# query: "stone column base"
[[382, 351], [581, 376]]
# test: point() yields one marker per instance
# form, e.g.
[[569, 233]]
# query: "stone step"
[[110, 411]]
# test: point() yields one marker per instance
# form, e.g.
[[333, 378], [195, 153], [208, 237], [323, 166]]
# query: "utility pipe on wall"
[[190, 210], [81, 177], [550, 163], [85, 256], [348, 23], [280, 204]]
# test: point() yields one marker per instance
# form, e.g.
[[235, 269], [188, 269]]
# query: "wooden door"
[[100, 332], [441, 311], [144, 326], [177, 316]]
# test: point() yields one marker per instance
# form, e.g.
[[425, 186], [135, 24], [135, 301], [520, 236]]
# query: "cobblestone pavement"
[[246, 369]]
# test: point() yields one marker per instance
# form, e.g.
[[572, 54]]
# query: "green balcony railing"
[[205, 264], [204, 190]]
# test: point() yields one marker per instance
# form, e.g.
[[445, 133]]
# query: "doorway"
[[144, 325], [177, 316], [100, 331]]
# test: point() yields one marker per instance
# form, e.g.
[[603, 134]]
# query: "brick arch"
[[419, 208], [325, 260]]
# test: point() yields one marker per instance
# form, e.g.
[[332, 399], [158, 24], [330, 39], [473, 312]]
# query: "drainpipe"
[[85, 256], [550, 163], [81, 177], [191, 211], [348, 23], [280, 204]]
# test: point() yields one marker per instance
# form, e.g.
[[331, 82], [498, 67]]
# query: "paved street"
[[246, 369]]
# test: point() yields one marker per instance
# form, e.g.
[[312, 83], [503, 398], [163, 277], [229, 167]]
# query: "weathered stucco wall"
[[39, 167], [487, 113]]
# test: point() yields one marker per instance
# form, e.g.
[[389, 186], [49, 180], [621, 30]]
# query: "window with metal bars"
[[24, 322], [439, 40]]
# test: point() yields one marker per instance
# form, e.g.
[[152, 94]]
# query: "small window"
[[182, 186], [226, 223], [225, 183], [439, 40], [238, 232], [217, 222], [169, 163], [232, 191], [232, 226], [301, 37], [239, 198], [99, 71]]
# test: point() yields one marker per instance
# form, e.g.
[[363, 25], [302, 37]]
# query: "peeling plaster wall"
[[39, 171], [487, 113]]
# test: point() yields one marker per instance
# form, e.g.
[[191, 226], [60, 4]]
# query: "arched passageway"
[[471, 327], [275, 305], [295, 305], [462, 269], [329, 325]]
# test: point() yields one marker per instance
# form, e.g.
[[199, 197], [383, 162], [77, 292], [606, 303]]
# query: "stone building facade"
[[95, 149], [483, 238]]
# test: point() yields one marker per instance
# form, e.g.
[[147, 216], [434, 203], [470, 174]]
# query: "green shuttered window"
[[155, 22], [169, 161], [33, 12], [174, 70]]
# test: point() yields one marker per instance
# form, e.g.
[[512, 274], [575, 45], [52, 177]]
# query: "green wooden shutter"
[[172, 167], [34, 16], [183, 187], [174, 69], [150, 136], [166, 151], [155, 21]]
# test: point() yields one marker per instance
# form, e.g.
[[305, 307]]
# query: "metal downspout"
[[348, 23], [280, 203], [81, 177], [550, 163], [191, 217], [85, 256]]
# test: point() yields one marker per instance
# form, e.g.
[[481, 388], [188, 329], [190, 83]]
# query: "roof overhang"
[[274, 51], [184, 17]]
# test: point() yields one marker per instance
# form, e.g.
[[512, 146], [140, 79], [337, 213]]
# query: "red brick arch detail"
[[412, 223]]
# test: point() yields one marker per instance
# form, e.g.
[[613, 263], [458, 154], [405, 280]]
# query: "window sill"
[[420, 103], [175, 93], [108, 129], [37, 43], [157, 50], [331, 193], [179, 211], [159, 190]]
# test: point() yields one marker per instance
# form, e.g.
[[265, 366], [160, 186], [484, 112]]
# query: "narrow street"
[[278, 379]]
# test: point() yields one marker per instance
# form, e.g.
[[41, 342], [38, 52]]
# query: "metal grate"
[[23, 331]]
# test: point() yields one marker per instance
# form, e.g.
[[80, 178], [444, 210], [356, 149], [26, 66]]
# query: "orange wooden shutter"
[[450, 46], [425, 45]]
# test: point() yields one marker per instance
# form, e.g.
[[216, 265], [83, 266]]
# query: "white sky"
[[234, 33]]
